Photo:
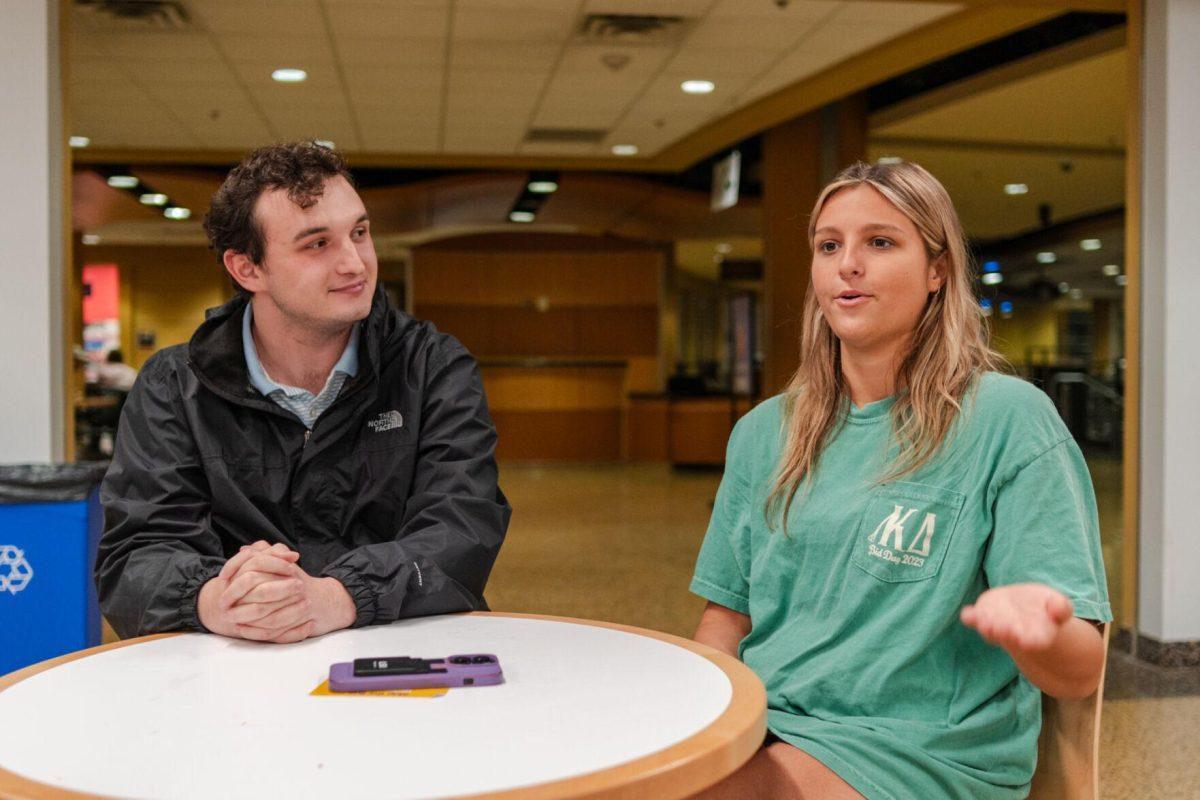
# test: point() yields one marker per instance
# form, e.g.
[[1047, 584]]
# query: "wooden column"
[[793, 156]]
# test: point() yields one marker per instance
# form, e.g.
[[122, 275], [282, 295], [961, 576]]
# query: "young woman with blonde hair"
[[905, 545]]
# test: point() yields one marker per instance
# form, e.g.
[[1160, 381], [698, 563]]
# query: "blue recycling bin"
[[50, 524]]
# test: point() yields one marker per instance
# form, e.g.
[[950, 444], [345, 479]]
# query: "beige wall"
[[1032, 326]]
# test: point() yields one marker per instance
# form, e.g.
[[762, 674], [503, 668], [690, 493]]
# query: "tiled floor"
[[618, 543]]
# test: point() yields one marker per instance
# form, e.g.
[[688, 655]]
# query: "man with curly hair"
[[313, 459]]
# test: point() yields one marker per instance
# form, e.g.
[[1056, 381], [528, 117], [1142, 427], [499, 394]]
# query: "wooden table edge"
[[678, 771]]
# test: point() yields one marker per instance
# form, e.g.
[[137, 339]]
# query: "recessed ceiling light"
[[1077, 294], [543, 187], [889, 160], [1121, 280], [1090, 244], [1112, 270], [992, 278], [1016, 188], [289, 75], [991, 266], [1064, 287], [1046, 257], [624, 150], [697, 87], [1006, 307], [520, 216], [122, 181], [153, 199], [328, 145], [985, 306], [724, 248], [79, 141], [90, 238], [177, 212]]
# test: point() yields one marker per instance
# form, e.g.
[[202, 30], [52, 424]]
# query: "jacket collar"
[[217, 357]]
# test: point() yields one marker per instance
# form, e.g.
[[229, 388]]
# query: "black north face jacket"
[[394, 493]]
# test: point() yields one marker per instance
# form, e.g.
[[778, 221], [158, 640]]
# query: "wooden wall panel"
[[617, 331], [579, 435], [646, 430], [553, 388], [700, 428]]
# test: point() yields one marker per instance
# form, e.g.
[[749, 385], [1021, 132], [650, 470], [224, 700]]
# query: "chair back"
[[1068, 764]]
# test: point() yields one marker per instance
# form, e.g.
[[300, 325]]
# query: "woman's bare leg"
[[781, 772]]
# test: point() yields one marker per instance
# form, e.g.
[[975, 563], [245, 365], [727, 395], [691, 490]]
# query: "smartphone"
[[405, 672]]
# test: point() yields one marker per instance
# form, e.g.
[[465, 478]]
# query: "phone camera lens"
[[481, 660], [460, 660]]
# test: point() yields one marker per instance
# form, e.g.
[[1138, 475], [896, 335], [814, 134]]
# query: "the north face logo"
[[888, 540], [15, 571], [388, 420]]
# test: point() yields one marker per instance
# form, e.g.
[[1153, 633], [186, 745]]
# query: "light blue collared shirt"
[[301, 402]]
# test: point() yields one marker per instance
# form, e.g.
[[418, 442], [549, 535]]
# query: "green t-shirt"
[[854, 613]]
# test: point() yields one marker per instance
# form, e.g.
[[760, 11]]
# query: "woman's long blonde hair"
[[948, 349]]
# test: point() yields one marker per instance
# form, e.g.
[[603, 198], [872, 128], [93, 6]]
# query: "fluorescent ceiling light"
[[889, 160], [79, 141], [1112, 270], [992, 278], [520, 216], [289, 75], [177, 212], [122, 181], [697, 87], [1077, 294], [90, 238], [1064, 287], [724, 248], [543, 187], [1121, 280], [624, 150], [1090, 244], [1016, 188], [153, 199], [328, 145], [1046, 257]]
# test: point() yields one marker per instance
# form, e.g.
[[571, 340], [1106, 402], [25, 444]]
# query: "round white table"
[[588, 709]]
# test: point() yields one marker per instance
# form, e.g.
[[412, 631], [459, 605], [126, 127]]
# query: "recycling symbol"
[[15, 571]]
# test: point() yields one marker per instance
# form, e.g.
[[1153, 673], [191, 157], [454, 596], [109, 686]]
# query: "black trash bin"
[[50, 523]]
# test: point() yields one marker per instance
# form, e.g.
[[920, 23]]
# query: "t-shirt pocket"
[[905, 531]]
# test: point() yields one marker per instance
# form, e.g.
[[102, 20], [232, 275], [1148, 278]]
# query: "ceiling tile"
[[710, 63], [494, 82], [405, 52], [301, 17], [409, 20], [393, 81], [394, 107], [165, 46], [904, 15], [399, 140], [794, 10], [96, 70], [665, 8], [477, 55], [294, 51], [578, 117], [257, 75], [180, 72], [720, 32], [513, 25]]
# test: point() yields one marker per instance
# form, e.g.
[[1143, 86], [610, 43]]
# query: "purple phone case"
[[343, 679]]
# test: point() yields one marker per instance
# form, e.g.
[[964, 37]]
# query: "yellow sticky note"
[[323, 690]]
